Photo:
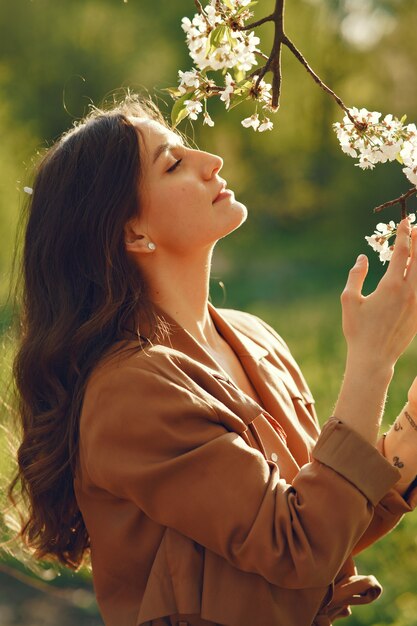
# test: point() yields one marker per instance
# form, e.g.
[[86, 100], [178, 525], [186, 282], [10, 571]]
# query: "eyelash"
[[173, 167]]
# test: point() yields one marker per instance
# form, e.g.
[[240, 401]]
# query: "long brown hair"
[[79, 288]]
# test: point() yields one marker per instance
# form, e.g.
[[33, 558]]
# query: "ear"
[[137, 242]]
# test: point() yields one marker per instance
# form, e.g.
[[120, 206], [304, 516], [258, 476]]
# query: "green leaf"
[[402, 120], [173, 91], [241, 93], [399, 159], [215, 39], [217, 34], [230, 39], [238, 99], [246, 86], [228, 4], [179, 110]]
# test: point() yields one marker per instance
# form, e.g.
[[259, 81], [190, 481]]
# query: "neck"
[[180, 287]]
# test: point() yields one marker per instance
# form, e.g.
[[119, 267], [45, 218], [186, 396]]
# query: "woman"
[[177, 442]]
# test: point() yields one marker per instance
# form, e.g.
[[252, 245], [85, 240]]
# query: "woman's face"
[[184, 202]]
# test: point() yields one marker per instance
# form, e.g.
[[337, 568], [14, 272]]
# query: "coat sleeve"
[[388, 512], [153, 440]]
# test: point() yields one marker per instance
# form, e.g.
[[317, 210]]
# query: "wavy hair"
[[78, 289]]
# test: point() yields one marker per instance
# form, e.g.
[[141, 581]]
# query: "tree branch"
[[402, 200], [287, 42], [273, 63], [261, 54], [199, 7], [268, 18]]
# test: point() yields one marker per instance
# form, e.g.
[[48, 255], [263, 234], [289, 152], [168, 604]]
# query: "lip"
[[223, 193]]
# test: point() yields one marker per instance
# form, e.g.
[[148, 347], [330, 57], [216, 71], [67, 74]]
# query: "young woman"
[[176, 443]]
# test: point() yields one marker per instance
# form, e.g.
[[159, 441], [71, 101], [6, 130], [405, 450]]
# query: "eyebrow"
[[164, 147]]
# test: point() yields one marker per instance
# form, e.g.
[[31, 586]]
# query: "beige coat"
[[204, 507]]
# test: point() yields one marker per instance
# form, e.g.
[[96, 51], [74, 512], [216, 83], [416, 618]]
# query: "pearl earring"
[[151, 245]]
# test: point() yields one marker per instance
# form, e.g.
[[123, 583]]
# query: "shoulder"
[[134, 392], [159, 360]]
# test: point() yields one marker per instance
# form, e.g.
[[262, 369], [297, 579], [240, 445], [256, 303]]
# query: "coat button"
[[274, 457]]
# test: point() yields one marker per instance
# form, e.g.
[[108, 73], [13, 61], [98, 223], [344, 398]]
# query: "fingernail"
[[361, 258]]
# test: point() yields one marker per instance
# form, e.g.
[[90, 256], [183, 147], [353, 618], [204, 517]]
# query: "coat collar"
[[241, 343], [180, 339]]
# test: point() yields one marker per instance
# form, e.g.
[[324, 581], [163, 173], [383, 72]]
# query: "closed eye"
[[173, 167]]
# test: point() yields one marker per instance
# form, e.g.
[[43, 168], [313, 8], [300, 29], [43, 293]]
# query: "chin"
[[238, 217]]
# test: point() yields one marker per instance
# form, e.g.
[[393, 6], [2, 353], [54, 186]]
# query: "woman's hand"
[[380, 326]]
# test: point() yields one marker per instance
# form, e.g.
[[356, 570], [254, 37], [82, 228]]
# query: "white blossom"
[[264, 92], [391, 150], [408, 156], [386, 253], [366, 160], [375, 241], [266, 125], [228, 90], [186, 24], [236, 49], [214, 45], [188, 80], [212, 16], [411, 174], [207, 119], [379, 240], [380, 245], [385, 229], [373, 140], [194, 108], [252, 121]]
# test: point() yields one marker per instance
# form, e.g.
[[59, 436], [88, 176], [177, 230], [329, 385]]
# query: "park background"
[[309, 207]]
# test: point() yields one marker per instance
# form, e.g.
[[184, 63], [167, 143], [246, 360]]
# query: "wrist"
[[369, 368], [362, 398]]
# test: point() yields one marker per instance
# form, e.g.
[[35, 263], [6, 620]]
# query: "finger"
[[412, 263], [356, 278], [399, 257]]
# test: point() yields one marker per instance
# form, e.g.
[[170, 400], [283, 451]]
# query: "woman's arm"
[[378, 328]]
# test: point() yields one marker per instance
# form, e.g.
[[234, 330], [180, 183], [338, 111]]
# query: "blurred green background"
[[309, 207]]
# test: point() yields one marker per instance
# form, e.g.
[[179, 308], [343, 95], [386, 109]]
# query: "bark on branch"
[[401, 200]]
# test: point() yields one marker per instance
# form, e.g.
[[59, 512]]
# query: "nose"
[[211, 165]]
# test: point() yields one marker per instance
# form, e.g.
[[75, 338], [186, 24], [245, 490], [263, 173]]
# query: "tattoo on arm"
[[410, 419], [397, 426], [397, 462]]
